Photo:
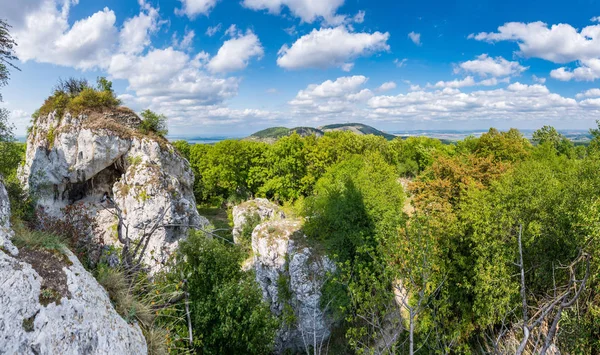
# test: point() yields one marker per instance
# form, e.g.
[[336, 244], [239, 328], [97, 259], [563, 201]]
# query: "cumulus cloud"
[[589, 93], [347, 97], [589, 70], [487, 66], [415, 37], [390, 85], [538, 79], [466, 82], [136, 31], [235, 54], [46, 36], [331, 47], [193, 8], [186, 41], [560, 43], [331, 97], [307, 10], [517, 101]]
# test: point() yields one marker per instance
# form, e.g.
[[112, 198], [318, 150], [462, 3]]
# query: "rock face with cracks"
[[95, 157], [70, 314], [291, 274]]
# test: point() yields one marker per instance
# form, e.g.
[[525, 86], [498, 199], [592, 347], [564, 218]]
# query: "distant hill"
[[357, 128], [274, 133]]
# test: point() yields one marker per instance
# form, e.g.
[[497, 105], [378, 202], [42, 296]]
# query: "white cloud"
[[45, 36], [330, 47], [517, 101], [347, 67], [456, 83], [233, 31], [291, 30], [538, 79], [186, 41], [136, 31], [589, 70], [359, 17], [307, 10], [589, 93], [387, 86], [487, 66], [236, 53], [331, 98], [560, 43], [595, 19], [400, 63], [415, 37], [193, 8], [211, 31]]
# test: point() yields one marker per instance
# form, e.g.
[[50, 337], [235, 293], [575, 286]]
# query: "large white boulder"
[[49, 304], [291, 274], [260, 209], [85, 158]]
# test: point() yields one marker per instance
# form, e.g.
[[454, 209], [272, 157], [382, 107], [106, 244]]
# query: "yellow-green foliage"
[[77, 101], [144, 196], [57, 102], [91, 99], [134, 161], [50, 136]]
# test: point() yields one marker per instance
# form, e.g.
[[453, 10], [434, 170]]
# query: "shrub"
[[91, 99], [77, 96], [227, 311], [154, 123]]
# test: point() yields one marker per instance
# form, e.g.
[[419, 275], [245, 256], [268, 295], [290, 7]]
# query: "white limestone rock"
[[81, 159], [82, 322], [260, 207], [281, 251]]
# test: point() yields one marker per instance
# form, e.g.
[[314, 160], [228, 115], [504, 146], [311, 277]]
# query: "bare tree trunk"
[[411, 333]]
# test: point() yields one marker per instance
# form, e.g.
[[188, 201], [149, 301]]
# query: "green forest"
[[488, 245], [459, 221]]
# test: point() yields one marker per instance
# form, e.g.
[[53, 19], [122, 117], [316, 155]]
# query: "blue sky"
[[231, 67]]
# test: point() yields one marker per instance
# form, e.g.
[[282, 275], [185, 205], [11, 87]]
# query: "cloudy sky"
[[231, 67]]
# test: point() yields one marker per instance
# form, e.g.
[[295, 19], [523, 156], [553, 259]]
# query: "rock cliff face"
[[290, 273], [90, 157], [73, 316]]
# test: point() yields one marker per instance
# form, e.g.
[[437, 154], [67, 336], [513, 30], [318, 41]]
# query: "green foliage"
[[183, 148], [273, 132], [24, 237], [153, 123], [228, 314], [77, 96], [355, 204]]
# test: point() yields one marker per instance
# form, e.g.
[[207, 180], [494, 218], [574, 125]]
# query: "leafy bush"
[[76, 96], [228, 313], [154, 123]]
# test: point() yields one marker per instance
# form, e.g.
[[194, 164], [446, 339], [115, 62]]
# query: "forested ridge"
[[443, 224]]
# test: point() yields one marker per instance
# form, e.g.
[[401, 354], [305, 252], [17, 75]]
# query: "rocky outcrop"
[[253, 211], [96, 157], [49, 304], [291, 274]]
